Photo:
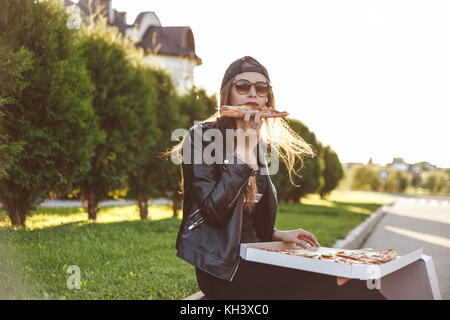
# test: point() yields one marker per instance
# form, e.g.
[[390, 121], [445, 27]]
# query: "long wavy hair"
[[276, 132]]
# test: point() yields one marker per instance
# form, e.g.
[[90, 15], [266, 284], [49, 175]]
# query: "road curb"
[[356, 237]]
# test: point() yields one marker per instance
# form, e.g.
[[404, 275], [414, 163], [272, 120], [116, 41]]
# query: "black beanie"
[[238, 67]]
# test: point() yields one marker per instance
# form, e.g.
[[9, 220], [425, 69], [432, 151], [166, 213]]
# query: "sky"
[[369, 78]]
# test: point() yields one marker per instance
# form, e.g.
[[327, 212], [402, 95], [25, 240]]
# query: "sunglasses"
[[243, 86]]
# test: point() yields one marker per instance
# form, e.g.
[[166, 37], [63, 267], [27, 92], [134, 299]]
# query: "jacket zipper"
[[242, 187], [196, 223]]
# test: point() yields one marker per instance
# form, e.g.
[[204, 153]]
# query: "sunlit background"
[[370, 78]]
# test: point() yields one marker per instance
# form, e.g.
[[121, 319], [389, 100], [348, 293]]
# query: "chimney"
[[120, 18], [105, 5]]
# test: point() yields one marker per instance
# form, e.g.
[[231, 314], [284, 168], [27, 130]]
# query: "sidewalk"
[[107, 203], [413, 223]]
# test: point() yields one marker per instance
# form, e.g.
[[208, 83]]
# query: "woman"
[[234, 201]]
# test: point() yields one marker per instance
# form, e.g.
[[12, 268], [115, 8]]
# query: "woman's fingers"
[[250, 121], [257, 119], [315, 241], [302, 243], [247, 116], [309, 238]]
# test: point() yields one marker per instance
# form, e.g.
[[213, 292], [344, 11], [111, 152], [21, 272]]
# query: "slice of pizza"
[[239, 111], [376, 257]]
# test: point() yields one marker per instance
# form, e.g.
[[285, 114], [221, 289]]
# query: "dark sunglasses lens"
[[243, 86], [262, 88]]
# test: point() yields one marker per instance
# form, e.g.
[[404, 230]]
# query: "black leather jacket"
[[210, 231]]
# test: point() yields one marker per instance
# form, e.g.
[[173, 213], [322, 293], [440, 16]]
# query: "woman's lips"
[[254, 104]]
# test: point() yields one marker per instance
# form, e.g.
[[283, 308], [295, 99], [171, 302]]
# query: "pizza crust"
[[239, 111]]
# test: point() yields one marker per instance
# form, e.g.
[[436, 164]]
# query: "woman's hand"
[[250, 127], [303, 238]]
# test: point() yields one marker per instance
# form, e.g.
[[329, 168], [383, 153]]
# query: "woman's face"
[[249, 98]]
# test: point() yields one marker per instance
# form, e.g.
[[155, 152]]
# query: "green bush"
[[125, 118], [310, 172], [48, 111], [397, 181], [332, 171], [365, 178]]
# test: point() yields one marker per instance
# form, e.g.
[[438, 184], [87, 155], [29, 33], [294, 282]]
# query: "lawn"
[[122, 257]]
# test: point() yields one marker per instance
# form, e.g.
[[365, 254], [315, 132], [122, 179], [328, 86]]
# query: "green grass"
[[329, 220], [122, 257]]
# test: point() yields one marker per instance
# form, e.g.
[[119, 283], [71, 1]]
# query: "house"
[[399, 164], [352, 165], [174, 47]]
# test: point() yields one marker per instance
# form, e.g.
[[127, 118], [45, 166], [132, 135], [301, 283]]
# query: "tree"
[[140, 182], [396, 182], [12, 66], [196, 105], [416, 180], [310, 172], [332, 171], [174, 111], [365, 178], [48, 112], [436, 181], [109, 62]]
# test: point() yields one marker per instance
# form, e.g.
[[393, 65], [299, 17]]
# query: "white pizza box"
[[253, 252]]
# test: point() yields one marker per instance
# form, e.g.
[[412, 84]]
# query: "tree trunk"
[[143, 207], [17, 219], [16, 212], [175, 206], [92, 206]]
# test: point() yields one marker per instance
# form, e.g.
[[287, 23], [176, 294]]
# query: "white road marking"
[[440, 241]]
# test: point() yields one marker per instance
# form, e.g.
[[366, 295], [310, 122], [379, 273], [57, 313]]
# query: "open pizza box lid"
[[253, 252]]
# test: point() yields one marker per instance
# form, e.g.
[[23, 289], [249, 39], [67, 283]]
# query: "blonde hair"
[[276, 133]]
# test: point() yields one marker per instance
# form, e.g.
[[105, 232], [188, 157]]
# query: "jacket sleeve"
[[215, 192]]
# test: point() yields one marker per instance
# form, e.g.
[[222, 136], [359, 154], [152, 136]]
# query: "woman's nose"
[[252, 91]]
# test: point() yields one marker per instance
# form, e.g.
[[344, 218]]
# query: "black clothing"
[[248, 233], [259, 281], [210, 232]]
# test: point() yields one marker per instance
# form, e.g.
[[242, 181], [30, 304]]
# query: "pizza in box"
[[342, 256]]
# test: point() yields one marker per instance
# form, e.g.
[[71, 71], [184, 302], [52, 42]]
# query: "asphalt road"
[[418, 222]]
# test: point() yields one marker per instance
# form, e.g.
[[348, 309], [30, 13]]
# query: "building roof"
[[141, 15], [174, 41]]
